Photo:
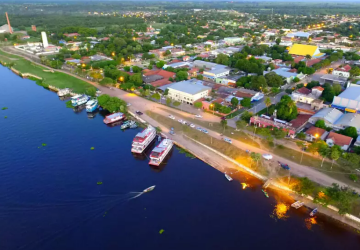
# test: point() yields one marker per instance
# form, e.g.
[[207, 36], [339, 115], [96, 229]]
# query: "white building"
[[212, 70], [343, 71], [188, 91], [44, 39], [233, 40]]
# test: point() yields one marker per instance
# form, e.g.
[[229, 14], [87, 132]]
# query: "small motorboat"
[[313, 212], [125, 125], [265, 193], [297, 204], [146, 190], [133, 124], [228, 177]]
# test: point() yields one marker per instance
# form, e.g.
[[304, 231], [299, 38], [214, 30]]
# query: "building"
[[310, 97], [33, 27], [333, 79], [329, 115], [71, 34], [303, 50], [44, 39], [265, 122], [5, 29], [314, 133], [299, 34], [212, 70], [347, 120], [342, 71], [228, 80], [157, 78], [337, 139], [188, 91], [233, 40], [285, 72], [349, 99]]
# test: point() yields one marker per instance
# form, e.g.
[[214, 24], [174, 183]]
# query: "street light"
[[113, 53], [212, 105], [121, 78]]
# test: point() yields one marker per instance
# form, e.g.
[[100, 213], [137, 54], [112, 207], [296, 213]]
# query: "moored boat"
[[160, 152], [146, 190], [143, 139], [265, 193], [228, 177], [92, 105], [313, 212], [297, 204], [133, 124], [125, 125], [63, 92], [79, 100], [115, 117]]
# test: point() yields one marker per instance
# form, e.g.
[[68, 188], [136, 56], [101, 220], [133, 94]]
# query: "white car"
[[128, 105], [180, 120], [192, 125], [172, 117], [228, 140], [198, 116], [184, 122], [267, 157]]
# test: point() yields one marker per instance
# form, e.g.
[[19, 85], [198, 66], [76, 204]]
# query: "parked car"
[[204, 131], [284, 166], [184, 122], [180, 120], [138, 112], [128, 104], [228, 140], [198, 116], [172, 117], [223, 118], [192, 125], [198, 128], [172, 132], [267, 156]]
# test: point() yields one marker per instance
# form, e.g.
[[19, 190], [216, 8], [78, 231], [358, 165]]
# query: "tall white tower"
[[44, 39]]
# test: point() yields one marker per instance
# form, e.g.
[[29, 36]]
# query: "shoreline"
[[348, 219]]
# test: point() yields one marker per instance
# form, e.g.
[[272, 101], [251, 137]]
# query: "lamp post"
[[211, 106]]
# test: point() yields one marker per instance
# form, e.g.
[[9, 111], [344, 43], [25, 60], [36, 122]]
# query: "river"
[[50, 199]]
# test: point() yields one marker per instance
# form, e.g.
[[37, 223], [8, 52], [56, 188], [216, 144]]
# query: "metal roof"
[[349, 120], [303, 50], [191, 87], [329, 114]]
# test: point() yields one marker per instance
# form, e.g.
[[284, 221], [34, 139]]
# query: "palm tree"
[[267, 103], [308, 57]]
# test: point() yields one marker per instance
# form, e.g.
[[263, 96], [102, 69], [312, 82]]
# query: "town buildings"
[[188, 91]]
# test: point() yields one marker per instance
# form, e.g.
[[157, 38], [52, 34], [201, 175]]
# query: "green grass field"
[[57, 79]]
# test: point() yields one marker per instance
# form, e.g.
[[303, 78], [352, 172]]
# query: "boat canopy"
[[114, 115]]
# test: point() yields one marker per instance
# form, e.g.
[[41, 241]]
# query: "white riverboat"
[[143, 139], [63, 92], [79, 100], [160, 152]]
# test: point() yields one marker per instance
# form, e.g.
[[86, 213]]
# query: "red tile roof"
[[300, 120], [298, 59], [304, 91], [160, 83], [312, 62], [315, 131], [339, 139], [318, 88], [161, 72], [346, 68]]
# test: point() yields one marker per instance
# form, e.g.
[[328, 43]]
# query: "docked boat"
[[91, 105], [79, 100], [125, 125], [133, 124], [265, 193], [297, 204], [146, 190], [143, 139], [228, 177], [160, 152], [313, 212], [63, 92], [115, 117]]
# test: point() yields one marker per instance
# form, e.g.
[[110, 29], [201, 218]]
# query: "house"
[[265, 122], [212, 70], [228, 80], [71, 34], [349, 99], [303, 50], [188, 91], [233, 40], [157, 78], [186, 58], [285, 72], [342, 71], [300, 121], [314, 133], [333, 79], [307, 96], [347, 120], [337, 139], [299, 34]]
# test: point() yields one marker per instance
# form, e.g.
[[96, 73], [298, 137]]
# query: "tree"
[[296, 79], [335, 153], [320, 124], [106, 81], [304, 186], [355, 71], [222, 59], [136, 69], [181, 76], [176, 103], [168, 101], [111, 104], [275, 90], [279, 133], [200, 77], [167, 52], [160, 64], [246, 102], [136, 79], [328, 93], [198, 105], [240, 124], [255, 157], [127, 68], [258, 82], [337, 89], [349, 131], [278, 41], [267, 102], [166, 92], [301, 135], [224, 123], [91, 91], [147, 92], [234, 102], [286, 109], [156, 96], [274, 80], [353, 177], [308, 57], [246, 116]]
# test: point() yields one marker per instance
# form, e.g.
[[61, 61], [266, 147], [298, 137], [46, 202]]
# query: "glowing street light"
[[121, 78], [134, 39], [211, 106], [113, 53], [317, 136]]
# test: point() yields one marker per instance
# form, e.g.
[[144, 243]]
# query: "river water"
[[49, 197]]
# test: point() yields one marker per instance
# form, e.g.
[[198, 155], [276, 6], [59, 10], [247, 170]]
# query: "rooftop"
[[316, 132], [339, 139], [303, 50], [329, 114], [191, 87]]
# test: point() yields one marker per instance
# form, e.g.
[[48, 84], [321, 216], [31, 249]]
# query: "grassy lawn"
[[158, 25], [227, 149], [237, 112], [57, 79], [216, 126]]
